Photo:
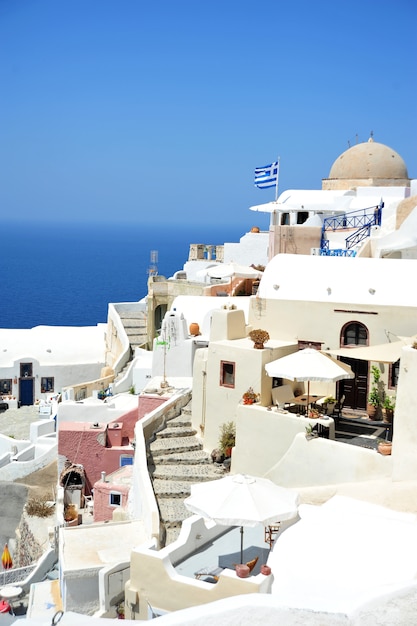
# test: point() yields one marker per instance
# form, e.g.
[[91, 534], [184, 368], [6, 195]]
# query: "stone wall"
[[32, 539]]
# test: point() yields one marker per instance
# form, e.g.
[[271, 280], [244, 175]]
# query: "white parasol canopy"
[[309, 365], [241, 500], [227, 270], [381, 353]]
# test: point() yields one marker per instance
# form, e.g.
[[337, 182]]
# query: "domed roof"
[[369, 160]]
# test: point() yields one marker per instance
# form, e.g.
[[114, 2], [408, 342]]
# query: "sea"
[[67, 274]]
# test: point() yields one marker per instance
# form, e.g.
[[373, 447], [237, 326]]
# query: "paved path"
[[16, 422]]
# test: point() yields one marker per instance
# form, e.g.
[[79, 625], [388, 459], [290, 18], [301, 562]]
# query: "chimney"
[[103, 477]]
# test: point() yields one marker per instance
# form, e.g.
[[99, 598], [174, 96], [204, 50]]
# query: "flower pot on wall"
[[385, 447], [242, 570], [194, 329]]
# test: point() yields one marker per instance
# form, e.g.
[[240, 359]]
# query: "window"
[[115, 498], [47, 385], [125, 460], [26, 370], [285, 219], [227, 374], [6, 386], [394, 371], [302, 216], [355, 334]]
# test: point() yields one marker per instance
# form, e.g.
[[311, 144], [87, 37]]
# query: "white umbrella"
[[226, 270], [241, 500], [309, 365]]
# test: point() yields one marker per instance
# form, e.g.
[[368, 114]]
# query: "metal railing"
[[362, 220]]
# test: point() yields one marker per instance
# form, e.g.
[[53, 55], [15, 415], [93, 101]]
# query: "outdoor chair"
[[89, 504], [209, 574], [338, 408]]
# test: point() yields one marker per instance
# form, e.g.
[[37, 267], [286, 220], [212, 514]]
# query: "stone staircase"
[[176, 459], [135, 327]]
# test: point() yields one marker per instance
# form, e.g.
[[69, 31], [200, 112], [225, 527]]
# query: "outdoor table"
[[306, 400]]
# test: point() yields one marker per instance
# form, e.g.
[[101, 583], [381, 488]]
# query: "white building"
[[37, 363]]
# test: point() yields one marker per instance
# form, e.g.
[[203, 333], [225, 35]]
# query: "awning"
[[382, 353]]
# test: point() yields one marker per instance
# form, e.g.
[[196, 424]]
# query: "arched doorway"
[[355, 390]]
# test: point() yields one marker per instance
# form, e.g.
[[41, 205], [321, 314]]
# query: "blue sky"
[[133, 111]]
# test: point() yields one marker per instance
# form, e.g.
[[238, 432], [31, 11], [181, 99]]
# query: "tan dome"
[[369, 160]]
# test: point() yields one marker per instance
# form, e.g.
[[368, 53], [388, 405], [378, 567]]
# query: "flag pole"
[[276, 184]]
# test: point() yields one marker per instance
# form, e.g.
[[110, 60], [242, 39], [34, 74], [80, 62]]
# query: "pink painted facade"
[[112, 493], [97, 447], [148, 403]]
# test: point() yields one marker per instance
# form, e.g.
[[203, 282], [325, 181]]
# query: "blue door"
[[26, 391]]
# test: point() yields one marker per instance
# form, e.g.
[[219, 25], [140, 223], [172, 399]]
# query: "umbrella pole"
[[241, 544], [308, 398]]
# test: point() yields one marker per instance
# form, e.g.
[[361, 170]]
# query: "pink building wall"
[[119, 482], [148, 403], [90, 446]]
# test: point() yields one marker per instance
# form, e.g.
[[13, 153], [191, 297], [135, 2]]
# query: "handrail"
[[362, 219]]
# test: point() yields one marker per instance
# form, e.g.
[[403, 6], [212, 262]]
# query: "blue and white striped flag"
[[266, 176]]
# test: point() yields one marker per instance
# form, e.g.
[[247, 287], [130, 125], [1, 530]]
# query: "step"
[[171, 488], [174, 445], [173, 512], [177, 431], [192, 473], [185, 457], [179, 420], [187, 409]]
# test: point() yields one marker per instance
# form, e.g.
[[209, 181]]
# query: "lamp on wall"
[[371, 291]]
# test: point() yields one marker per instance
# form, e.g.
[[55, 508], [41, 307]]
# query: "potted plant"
[[227, 438], [120, 610], [389, 406], [310, 432], [259, 337], [384, 447], [328, 404], [249, 397], [374, 407]]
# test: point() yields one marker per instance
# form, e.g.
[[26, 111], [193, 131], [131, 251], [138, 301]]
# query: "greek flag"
[[266, 176]]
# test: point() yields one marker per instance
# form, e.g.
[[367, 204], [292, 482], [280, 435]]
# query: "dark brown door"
[[355, 389]]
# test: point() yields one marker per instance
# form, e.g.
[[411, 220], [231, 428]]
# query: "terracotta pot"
[[389, 415], [265, 570], [242, 570], [194, 329], [374, 412], [385, 448]]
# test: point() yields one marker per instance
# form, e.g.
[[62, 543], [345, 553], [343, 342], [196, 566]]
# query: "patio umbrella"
[[227, 270], [309, 365], [241, 500], [6, 558]]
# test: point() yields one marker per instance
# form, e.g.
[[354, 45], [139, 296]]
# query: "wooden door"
[[26, 391], [355, 389]]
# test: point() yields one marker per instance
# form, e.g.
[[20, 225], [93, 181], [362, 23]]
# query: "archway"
[[355, 390]]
